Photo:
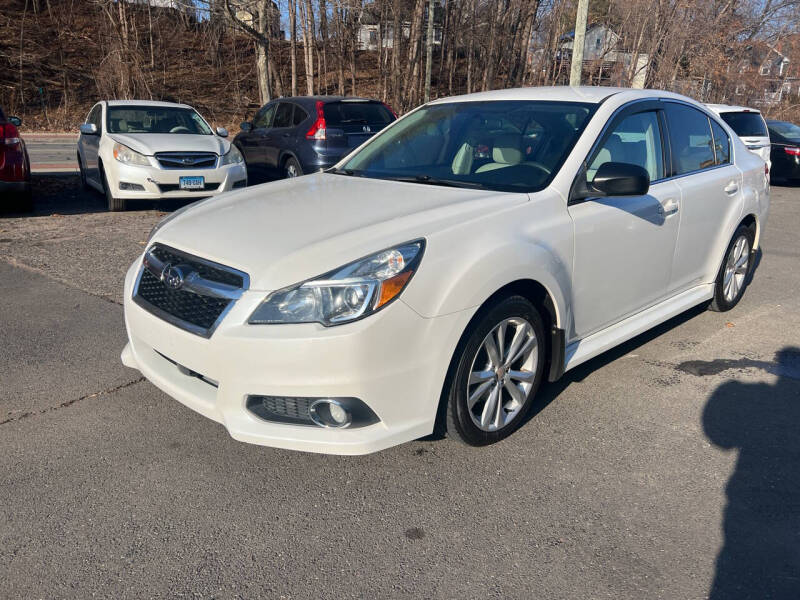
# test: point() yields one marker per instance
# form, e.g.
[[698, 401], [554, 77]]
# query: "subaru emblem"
[[173, 277]]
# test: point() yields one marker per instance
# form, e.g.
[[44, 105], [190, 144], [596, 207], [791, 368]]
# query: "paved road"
[[638, 470], [52, 153]]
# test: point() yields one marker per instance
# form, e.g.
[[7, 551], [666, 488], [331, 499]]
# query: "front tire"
[[499, 370], [114, 204], [734, 273]]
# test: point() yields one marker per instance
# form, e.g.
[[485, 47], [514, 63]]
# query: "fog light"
[[329, 413], [124, 185]]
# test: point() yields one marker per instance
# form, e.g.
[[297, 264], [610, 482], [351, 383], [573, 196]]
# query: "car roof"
[[326, 99], [153, 103], [726, 108]]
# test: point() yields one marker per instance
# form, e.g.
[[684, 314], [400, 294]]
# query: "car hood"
[[288, 231], [150, 143]]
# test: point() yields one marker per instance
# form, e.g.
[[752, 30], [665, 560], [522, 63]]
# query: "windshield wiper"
[[443, 182], [348, 172]]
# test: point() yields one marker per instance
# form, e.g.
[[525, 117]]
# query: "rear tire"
[[734, 273], [292, 169], [114, 204], [498, 370]]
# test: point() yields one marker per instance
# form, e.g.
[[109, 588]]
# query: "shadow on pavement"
[[760, 557], [61, 193]]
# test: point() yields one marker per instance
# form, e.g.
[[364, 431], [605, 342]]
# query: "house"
[[369, 35], [605, 58], [764, 76]]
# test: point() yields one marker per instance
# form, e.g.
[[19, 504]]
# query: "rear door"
[[750, 126], [710, 185], [350, 123]]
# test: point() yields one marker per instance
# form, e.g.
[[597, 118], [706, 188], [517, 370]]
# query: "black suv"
[[292, 136]]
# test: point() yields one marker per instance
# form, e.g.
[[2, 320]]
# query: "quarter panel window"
[[635, 140], [722, 144], [283, 116], [690, 139], [299, 115]]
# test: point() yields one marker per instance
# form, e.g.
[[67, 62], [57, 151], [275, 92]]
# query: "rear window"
[[788, 130], [746, 124], [347, 113]]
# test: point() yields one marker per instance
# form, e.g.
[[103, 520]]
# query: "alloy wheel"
[[502, 373], [736, 269]]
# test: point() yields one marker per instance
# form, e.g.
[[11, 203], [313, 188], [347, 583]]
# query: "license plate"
[[191, 183]]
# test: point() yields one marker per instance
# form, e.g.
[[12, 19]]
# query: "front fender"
[[449, 285]]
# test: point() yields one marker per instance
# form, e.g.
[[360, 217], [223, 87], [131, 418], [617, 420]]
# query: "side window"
[[283, 116], [299, 115], [722, 144], [635, 140], [690, 139], [264, 117]]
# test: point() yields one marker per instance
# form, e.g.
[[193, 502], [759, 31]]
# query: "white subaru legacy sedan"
[[137, 149], [440, 273]]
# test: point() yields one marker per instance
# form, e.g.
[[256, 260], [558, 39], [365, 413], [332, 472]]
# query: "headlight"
[[130, 157], [232, 156], [346, 294]]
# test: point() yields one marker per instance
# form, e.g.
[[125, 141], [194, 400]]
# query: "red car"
[[15, 166]]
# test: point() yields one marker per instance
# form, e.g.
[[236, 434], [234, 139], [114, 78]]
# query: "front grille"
[[187, 160], [174, 187], [198, 309], [280, 409]]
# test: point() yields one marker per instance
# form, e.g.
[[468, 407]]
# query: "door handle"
[[287, 135], [731, 188], [669, 207]]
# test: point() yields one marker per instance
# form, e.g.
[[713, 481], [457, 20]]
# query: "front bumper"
[[151, 178], [395, 361]]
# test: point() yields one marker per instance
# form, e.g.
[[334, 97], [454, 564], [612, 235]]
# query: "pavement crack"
[[67, 403]]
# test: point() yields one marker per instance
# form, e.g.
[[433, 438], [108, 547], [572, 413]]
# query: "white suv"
[[473, 249], [148, 150], [749, 125]]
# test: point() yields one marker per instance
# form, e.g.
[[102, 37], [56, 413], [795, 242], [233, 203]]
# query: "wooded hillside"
[[225, 57]]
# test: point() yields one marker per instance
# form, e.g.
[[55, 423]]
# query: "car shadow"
[[61, 194], [760, 555]]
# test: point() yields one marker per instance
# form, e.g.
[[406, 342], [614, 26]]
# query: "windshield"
[[746, 124], [515, 146], [155, 119], [788, 130]]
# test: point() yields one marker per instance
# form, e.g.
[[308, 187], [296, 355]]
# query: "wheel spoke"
[[727, 278], [520, 335], [480, 376], [517, 394], [491, 351], [500, 333], [527, 347], [490, 406], [524, 376], [742, 261], [500, 411], [479, 393]]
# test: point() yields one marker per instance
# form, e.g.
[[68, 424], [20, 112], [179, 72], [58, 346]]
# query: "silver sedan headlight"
[[128, 156], [346, 294], [232, 156]]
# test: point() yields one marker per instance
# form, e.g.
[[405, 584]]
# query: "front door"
[[281, 130], [624, 246]]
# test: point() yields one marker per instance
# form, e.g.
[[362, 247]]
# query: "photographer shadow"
[[760, 556]]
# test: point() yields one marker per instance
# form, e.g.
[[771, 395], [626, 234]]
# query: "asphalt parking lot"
[[667, 468]]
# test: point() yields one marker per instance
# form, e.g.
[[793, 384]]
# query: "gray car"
[[293, 136]]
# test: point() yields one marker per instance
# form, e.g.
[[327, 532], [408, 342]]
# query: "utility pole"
[[429, 51], [577, 42]]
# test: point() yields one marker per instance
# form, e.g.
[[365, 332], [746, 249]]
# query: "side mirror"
[[245, 126], [88, 129], [222, 132], [621, 179], [15, 121], [612, 179]]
